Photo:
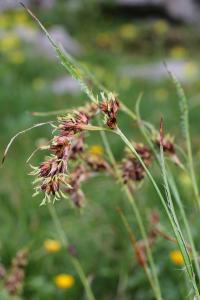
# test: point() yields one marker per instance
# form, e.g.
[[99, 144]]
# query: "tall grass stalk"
[[134, 244], [176, 227], [172, 183], [178, 200], [168, 206], [76, 263], [183, 103]]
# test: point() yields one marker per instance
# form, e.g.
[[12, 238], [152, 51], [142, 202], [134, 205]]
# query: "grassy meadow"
[[97, 231]]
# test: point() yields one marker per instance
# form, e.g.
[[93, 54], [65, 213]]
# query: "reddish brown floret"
[[51, 185], [79, 175], [77, 147], [110, 109], [132, 169], [167, 143], [61, 146], [52, 167], [144, 153], [71, 125], [96, 163]]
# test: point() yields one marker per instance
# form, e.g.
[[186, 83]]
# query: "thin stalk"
[[177, 229], [156, 285], [77, 265], [186, 132], [128, 111], [134, 245], [173, 188], [50, 113], [185, 221], [171, 214]]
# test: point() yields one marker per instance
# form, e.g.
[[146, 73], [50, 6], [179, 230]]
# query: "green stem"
[[173, 188], [185, 221], [169, 210], [77, 265], [186, 132], [177, 229], [156, 286], [134, 242]]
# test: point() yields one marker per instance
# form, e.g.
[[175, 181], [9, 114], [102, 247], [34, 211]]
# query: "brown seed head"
[[110, 108], [70, 125]]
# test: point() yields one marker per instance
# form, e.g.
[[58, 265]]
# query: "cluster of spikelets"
[[70, 163]]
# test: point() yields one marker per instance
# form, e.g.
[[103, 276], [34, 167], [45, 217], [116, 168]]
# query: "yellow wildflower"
[[160, 27], [16, 57], [9, 42], [64, 281], [176, 257], [178, 52], [52, 246], [128, 32], [161, 95], [96, 150]]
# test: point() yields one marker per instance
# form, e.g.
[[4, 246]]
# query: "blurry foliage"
[[108, 44]]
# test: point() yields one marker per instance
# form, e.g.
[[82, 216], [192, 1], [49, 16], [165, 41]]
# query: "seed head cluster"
[[132, 170], [110, 108], [70, 163]]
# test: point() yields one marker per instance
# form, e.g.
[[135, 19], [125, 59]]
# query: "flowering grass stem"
[[171, 183], [168, 206], [183, 103]]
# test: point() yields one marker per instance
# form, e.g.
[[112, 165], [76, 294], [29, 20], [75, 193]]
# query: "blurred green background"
[[126, 54]]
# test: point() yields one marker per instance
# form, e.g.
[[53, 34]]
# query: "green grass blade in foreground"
[[183, 103], [177, 198], [173, 221], [176, 226], [171, 184]]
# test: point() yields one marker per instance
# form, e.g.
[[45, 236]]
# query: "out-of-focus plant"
[[69, 164]]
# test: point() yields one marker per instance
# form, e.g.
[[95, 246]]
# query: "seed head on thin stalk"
[[168, 146], [110, 107]]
